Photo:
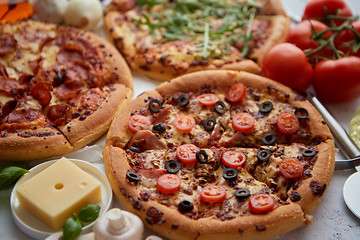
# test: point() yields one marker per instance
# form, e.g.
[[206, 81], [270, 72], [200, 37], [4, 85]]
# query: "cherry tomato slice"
[[233, 159], [261, 203], [168, 183], [236, 92], [291, 168], [184, 123], [213, 193], [208, 99], [138, 122], [243, 122], [287, 123], [186, 153]]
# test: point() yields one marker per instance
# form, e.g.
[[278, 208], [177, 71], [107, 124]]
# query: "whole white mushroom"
[[50, 10], [83, 13]]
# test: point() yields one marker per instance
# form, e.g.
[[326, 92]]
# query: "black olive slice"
[[220, 107], [155, 105], [301, 113], [134, 149], [230, 174], [182, 100], [308, 152], [209, 124], [242, 193], [132, 177], [264, 155], [201, 156], [269, 138], [266, 107], [185, 206], [159, 127], [172, 166]]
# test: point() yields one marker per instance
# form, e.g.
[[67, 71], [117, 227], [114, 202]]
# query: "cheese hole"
[[59, 186], [83, 184]]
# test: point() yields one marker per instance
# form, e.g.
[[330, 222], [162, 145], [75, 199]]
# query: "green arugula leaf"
[[150, 3], [187, 20], [9, 175]]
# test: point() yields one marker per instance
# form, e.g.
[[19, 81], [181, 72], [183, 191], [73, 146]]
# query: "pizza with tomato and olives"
[[220, 155], [164, 39], [60, 88]]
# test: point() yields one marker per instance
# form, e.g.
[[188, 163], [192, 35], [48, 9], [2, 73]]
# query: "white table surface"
[[332, 219]]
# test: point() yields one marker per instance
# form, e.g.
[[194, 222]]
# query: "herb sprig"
[[73, 225], [213, 25]]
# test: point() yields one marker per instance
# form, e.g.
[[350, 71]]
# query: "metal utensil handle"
[[345, 143]]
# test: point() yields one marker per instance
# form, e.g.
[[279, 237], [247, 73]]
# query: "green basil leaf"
[[89, 213], [72, 228], [9, 175]]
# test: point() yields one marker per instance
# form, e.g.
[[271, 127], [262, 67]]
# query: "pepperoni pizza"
[[220, 155], [60, 88]]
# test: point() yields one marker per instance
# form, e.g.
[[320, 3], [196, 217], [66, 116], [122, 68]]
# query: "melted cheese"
[[49, 56]]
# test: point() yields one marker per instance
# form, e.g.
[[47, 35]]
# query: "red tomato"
[[213, 193], [338, 80], [291, 168], [184, 123], [315, 9], [168, 183], [341, 41], [236, 92], [138, 122], [287, 123], [300, 35], [348, 35], [186, 153], [288, 65], [243, 122], [261, 203], [233, 159], [208, 99]]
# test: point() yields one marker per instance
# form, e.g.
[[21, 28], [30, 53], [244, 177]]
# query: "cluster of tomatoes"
[[322, 50]]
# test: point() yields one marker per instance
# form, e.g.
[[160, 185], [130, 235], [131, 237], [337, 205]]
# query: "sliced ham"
[[145, 140]]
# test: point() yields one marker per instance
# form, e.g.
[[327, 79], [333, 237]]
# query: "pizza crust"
[[81, 132], [280, 26], [36, 144], [312, 190]]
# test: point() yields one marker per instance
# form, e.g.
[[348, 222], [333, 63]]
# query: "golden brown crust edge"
[[279, 221], [312, 190], [40, 143], [280, 29], [82, 132], [274, 7]]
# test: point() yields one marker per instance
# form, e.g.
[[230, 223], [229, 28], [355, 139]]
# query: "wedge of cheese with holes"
[[58, 191]]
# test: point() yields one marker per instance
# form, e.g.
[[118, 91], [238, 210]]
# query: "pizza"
[[164, 39], [60, 88], [220, 154]]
